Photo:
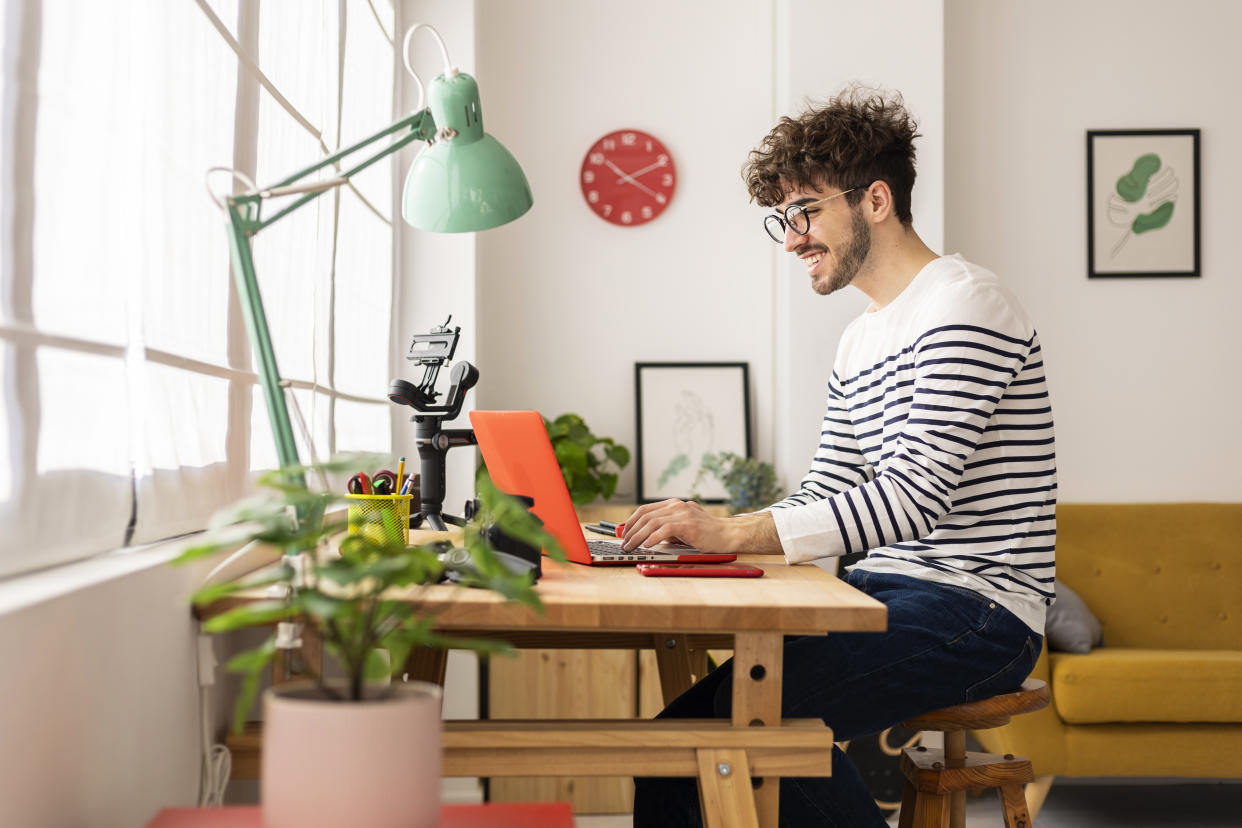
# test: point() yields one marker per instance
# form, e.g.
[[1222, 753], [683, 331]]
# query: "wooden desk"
[[615, 607]]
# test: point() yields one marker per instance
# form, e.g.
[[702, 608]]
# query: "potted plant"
[[750, 483], [590, 464], [361, 749]]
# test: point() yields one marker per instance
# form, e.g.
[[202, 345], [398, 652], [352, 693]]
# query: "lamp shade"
[[466, 180]]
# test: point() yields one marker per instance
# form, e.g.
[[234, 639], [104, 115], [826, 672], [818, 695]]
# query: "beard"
[[851, 258]]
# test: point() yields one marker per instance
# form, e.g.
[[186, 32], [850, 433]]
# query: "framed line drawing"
[[1142, 203], [686, 410]]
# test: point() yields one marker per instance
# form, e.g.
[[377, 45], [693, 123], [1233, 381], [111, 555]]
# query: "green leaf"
[[251, 663], [320, 606], [619, 455], [1154, 220], [572, 458], [584, 490], [274, 574], [608, 485], [570, 420], [250, 615], [675, 467], [377, 666], [580, 434]]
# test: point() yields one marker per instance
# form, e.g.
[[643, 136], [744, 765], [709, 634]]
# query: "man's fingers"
[[645, 517]]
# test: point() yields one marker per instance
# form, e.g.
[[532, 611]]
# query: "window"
[[130, 410]]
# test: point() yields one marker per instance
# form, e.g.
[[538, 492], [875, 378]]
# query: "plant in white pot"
[[363, 749]]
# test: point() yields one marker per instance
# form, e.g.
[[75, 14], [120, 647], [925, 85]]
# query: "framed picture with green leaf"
[[1142, 203], [687, 411]]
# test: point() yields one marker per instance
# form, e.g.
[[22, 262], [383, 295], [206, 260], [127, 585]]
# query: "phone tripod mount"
[[433, 351]]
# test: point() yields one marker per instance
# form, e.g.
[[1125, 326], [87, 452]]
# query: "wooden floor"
[[1094, 805]]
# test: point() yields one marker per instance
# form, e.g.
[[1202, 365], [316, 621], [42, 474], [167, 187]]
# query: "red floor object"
[[489, 815]]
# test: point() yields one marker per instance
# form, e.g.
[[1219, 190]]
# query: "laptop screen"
[[521, 461]]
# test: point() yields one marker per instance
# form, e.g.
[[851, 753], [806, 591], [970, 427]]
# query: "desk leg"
[[673, 659], [427, 664], [725, 794], [758, 664], [304, 664]]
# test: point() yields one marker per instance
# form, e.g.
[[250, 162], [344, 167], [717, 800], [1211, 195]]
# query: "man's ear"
[[877, 202]]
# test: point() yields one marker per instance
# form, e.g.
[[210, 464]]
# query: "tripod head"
[[433, 351]]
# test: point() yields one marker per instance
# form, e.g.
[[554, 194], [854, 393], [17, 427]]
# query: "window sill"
[[30, 588]]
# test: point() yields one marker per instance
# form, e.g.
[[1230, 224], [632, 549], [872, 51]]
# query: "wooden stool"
[[937, 780]]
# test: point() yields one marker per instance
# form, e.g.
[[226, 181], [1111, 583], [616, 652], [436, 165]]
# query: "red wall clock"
[[627, 177]]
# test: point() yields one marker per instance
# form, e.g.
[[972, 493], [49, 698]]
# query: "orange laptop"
[[520, 459]]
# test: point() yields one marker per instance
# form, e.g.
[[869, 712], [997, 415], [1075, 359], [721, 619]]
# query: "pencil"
[[400, 474]]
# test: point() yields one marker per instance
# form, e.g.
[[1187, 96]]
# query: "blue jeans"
[[943, 646]]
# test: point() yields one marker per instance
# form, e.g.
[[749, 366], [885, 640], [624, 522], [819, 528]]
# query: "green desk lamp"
[[464, 181]]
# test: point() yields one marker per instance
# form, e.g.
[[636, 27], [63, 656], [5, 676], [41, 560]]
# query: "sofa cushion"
[[1070, 626], [1118, 684], [1157, 575]]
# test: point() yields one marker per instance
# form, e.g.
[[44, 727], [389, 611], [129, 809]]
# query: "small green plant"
[[362, 599], [590, 464], [750, 483]]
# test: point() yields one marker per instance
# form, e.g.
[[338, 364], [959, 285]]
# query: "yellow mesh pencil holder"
[[380, 518]]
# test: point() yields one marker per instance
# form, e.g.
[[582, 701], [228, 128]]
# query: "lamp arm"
[[421, 127], [243, 210], [260, 336]]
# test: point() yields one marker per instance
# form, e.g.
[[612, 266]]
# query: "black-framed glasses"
[[796, 217]]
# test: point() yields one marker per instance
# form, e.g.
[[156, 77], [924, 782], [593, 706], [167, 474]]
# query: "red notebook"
[[488, 815]]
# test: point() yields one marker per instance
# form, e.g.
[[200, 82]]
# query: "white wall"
[[896, 44], [99, 721], [567, 302], [437, 272], [1144, 374]]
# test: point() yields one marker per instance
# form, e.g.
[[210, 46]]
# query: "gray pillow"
[[1070, 626]]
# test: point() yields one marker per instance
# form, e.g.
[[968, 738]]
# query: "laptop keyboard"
[[614, 550]]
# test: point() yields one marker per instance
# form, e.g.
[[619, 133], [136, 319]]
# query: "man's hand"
[[680, 521]]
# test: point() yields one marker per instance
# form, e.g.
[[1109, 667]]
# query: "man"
[[936, 459]]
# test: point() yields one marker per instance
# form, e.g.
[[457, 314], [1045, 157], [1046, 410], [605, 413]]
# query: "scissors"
[[383, 482]]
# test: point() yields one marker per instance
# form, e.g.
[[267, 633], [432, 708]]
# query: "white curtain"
[[131, 411]]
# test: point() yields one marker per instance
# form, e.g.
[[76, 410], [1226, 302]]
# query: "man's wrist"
[[754, 534]]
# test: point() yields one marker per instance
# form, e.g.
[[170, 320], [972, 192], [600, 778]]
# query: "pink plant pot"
[[373, 763]]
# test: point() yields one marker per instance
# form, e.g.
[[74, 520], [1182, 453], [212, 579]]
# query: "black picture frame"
[[1143, 204], [683, 409]]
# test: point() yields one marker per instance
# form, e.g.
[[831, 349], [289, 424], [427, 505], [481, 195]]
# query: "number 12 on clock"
[[628, 177]]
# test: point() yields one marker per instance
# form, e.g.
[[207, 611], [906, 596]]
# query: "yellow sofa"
[[1163, 695]]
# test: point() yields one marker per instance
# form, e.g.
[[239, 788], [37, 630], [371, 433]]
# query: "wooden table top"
[[790, 599]]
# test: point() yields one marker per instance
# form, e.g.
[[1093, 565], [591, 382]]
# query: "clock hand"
[[629, 179], [640, 186], [648, 168], [624, 175]]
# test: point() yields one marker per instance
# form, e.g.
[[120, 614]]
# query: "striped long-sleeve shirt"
[[937, 454]]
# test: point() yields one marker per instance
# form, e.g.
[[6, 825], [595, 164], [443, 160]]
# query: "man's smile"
[[812, 259]]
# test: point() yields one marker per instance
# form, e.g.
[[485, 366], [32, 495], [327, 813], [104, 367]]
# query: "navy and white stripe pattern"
[[937, 452]]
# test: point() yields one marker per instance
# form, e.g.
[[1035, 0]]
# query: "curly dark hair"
[[860, 136]]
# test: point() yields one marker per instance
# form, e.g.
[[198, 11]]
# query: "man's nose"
[[793, 239]]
